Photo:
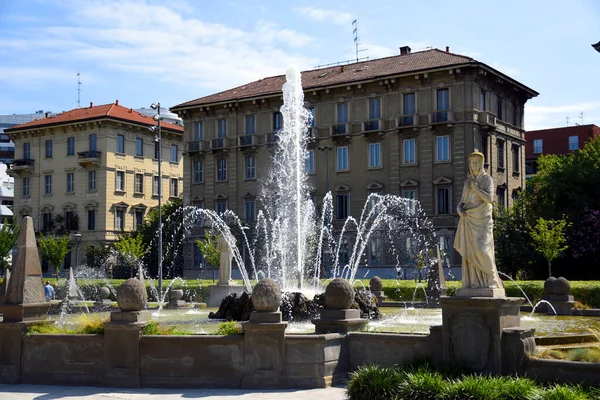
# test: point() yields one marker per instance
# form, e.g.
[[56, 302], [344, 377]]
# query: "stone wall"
[[562, 371], [386, 349]]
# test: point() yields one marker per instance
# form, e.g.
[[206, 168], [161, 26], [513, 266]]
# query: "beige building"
[[400, 125], [93, 170]]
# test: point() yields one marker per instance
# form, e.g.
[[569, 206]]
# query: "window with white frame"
[[70, 182], [47, 184], [249, 210], [277, 121], [443, 200], [374, 155], [409, 106], [174, 187], [250, 167], [198, 131], [120, 181], [48, 144], [139, 183], [121, 144], [442, 148], [409, 153], [221, 169], [91, 181], [198, 172], [411, 195], [25, 186], [309, 162], [538, 146], [119, 219], [155, 184], [342, 202], [573, 142], [342, 158], [374, 108], [250, 124]]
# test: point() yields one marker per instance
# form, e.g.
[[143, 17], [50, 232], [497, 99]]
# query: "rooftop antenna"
[[356, 38], [567, 121], [581, 116], [78, 91]]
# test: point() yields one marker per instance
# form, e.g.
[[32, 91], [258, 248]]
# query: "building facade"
[[401, 125], [559, 141], [93, 170]]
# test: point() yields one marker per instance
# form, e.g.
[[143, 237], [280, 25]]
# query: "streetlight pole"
[[157, 140], [77, 236]]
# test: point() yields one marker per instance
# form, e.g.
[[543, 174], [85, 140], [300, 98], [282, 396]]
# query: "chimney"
[[341, 68], [447, 49], [91, 104], [117, 102], [404, 50]]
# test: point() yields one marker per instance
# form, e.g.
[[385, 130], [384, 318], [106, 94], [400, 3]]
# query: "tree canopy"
[[54, 250]]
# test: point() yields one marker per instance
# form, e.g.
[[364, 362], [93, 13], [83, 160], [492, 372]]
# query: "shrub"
[[472, 387], [45, 327], [228, 328], [155, 329], [564, 392], [91, 325], [586, 354], [422, 384], [372, 382]]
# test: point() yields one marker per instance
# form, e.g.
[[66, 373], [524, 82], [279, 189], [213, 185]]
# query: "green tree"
[[9, 233], [549, 238], [132, 248], [209, 247], [98, 256], [54, 250]]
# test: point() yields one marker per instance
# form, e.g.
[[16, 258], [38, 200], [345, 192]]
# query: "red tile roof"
[[339, 75], [106, 111]]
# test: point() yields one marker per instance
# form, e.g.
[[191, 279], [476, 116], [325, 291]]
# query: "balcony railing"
[[218, 143], [407, 121], [197, 145], [440, 117], [339, 129], [487, 118], [272, 137], [373, 125], [247, 140], [25, 162], [89, 158]]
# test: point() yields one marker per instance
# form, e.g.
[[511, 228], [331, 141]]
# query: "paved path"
[[50, 392]]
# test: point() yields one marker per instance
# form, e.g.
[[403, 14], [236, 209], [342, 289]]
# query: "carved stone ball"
[[266, 296], [175, 294], [549, 285], [562, 286], [131, 295], [376, 284], [103, 293], [339, 295]]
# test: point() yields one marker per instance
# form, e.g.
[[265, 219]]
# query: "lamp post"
[[157, 141], [77, 236]]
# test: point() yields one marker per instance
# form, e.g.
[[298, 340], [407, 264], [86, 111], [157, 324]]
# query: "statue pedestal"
[[219, 292], [480, 292], [473, 330]]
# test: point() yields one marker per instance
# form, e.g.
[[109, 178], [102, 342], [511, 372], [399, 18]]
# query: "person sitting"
[[49, 290]]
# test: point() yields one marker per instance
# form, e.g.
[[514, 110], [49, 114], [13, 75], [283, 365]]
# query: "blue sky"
[[142, 51]]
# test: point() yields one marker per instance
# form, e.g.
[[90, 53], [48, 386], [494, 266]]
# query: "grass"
[[228, 328], [87, 326], [590, 353], [155, 329]]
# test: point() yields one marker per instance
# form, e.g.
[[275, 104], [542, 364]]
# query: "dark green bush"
[[565, 392], [228, 328], [422, 384], [372, 382]]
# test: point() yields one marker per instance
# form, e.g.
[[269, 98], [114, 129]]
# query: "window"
[[411, 195], [174, 187], [221, 206], [408, 148], [92, 142], [25, 186], [374, 155], [48, 148], [485, 143], [342, 113], [375, 251], [221, 128], [445, 249], [537, 146], [375, 108], [250, 124], [573, 142], [342, 205], [139, 147], [500, 113], [309, 162], [139, 218], [515, 195], [516, 162], [91, 214], [70, 145], [342, 158], [277, 121], [501, 192], [70, 220], [121, 144], [47, 184], [198, 258], [408, 109], [443, 200], [46, 221], [139, 183], [442, 148], [311, 116], [155, 185], [198, 131], [515, 115], [198, 172], [250, 167], [174, 155], [120, 184], [221, 169], [442, 105], [27, 151], [249, 207], [120, 219], [501, 154], [70, 182], [482, 100], [91, 180], [156, 150]]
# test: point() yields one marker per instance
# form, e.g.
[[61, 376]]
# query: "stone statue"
[[475, 234], [225, 262]]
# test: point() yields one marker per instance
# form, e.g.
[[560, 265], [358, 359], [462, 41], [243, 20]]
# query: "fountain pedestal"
[[474, 331], [219, 292], [339, 321]]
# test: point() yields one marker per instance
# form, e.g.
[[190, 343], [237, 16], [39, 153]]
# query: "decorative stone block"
[[132, 295], [129, 317], [339, 295], [266, 317], [266, 296]]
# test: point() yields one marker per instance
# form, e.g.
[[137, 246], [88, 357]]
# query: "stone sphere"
[[339, 295], [131, 295], [103, 293], [175, 294], [549, 285], [376, 284], [266, 296], [562, 286]]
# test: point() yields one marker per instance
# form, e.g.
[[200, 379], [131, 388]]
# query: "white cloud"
[[319, 14], [510, 71], [543, 117]]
